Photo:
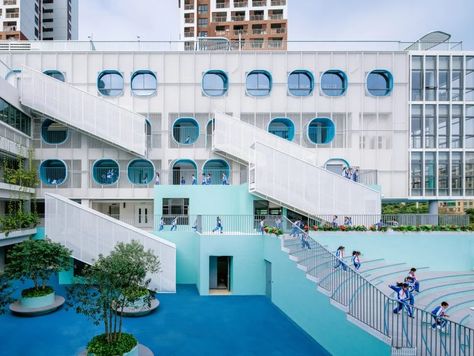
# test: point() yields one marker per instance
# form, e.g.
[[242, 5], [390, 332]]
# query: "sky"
[[404, 20]]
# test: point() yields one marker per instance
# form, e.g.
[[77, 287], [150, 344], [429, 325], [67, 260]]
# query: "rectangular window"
[[203, 22], [469, 127], [430, 126], [456, 126], [203, 9], [457, 79], [443, 92], [443, 126], [416, 173], [469, 174], [416, 126], [469, 82], [176, 207], [456, 173], [14, 117], [430, 173], [430, 79], [417, 78], [443, 174]]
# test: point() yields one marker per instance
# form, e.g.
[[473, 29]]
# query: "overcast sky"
[[404, 20]]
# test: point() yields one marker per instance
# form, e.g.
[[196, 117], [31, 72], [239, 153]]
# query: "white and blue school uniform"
[[174, 224], [356, 262], [438, 314], [162, 225], [204, 180], [404, 298], [224, 180], [194, 182], [304, 241], [416, 284], [294, 228], [340, 258], [262, 227], [218, 226]]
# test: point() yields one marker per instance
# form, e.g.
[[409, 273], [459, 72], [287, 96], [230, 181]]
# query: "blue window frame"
[[140, 171], [215, 83], [216, 171], [259, 83], [186, 130], [53, 172], [53, 132], [56, 74], [105, 171], [110, 83], [301, 83], [379, 82], [334, 83], [144, 83], [282, 127], [321, 131]]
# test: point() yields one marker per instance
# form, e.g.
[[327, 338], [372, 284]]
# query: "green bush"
[[136, 293], [18, 220], [33, 292], [99, 345]]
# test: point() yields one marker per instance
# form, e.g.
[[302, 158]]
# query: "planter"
[[140, 307], [139, 350], [132, 352], [37, 302]]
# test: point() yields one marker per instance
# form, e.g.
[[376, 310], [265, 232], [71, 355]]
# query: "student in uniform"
[[294, 228], [224, 179], [193, 180], [340, 257], [334, 221], [204, 179], [183, 181], [174, 224], [162, 224], [403, 298], [278, 223], [209, 179], [416, 284], [262, 226], [157, 178], [439, 315], [218, 225], [304, 241], [356, 259]]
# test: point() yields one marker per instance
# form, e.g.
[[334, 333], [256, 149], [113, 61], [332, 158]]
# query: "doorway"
[[268, 279], [143, 216], [219, 274]]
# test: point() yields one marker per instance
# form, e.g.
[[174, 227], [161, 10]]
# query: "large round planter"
[[139, 307], [37, 302], [139, 350]]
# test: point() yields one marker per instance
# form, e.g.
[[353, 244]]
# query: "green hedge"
[[401, 228], [40, 292], [100, 347]]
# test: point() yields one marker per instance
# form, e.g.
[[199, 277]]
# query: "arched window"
[[144, 83], [215, 83], [282, 127], [300, 83], [56, 74], [12, 76], [105, 171], [209, 131], [53, 172], [183, 171], [110, 83], [186, 130], [379, 82], [321, 131], [259, 83], [334, 83], [336, 165], [216, 171], [140, 171], [53, 132]]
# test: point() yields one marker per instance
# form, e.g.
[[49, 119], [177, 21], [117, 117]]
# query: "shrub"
[[40, 292], [99, 345]]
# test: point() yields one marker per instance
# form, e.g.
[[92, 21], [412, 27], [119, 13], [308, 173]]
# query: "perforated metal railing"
[[89, 233], [81, 110], [372, 310]]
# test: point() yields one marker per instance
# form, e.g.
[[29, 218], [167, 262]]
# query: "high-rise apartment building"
[[38, 19], [248, 24]]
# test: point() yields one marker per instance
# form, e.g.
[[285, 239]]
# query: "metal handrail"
[[400, 334]]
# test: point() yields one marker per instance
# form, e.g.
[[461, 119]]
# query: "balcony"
[[238, 18], [189, 20], [279, 30], [222, 5], [219, 18], [9, 28], [12, 15], [240, 3], [256, 3], [278, 2], [9, 2], [256, 17], [240, 32], [275, 16], [259, 31], [189, 34], [189, 6], [275, 44]]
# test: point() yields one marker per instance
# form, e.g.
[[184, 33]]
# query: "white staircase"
[[82, 111], [286, 173], [89, 233]]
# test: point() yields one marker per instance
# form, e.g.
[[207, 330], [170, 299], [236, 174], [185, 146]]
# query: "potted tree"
[[113, 283], [5, 293], [37, 260]]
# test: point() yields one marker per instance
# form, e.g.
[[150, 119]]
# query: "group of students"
[[206, 179], [355, 259], [351, 173], [405, 292]]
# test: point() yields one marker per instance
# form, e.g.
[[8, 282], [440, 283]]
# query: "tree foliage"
[[37, 260], [113, 283], [5, 293], [405, 208]]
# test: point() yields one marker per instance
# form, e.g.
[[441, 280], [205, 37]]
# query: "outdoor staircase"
[[89, 233], [370, 307], [286, 173], [82, 111]]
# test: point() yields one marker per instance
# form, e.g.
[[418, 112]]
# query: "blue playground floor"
[[184, 324]]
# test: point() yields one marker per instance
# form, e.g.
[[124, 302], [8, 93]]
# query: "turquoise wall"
[[441, 251], [39, 233], [298, 298], [208, 199]]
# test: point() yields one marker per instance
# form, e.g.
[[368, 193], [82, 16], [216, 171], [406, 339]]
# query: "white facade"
[[20, 15], [60, 20]]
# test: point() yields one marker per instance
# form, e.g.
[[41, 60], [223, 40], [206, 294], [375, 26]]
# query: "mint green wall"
[[39, 233], [298, 298], [418, 249], [208, 199]]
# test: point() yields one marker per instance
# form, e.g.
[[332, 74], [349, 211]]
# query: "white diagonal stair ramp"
[[89, 233], [90, 114]]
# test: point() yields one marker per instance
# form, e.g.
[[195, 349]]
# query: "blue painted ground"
[[185, 324]]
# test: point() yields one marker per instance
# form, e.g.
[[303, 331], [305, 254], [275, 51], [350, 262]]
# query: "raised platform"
[[142, 351], [18, 309]]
